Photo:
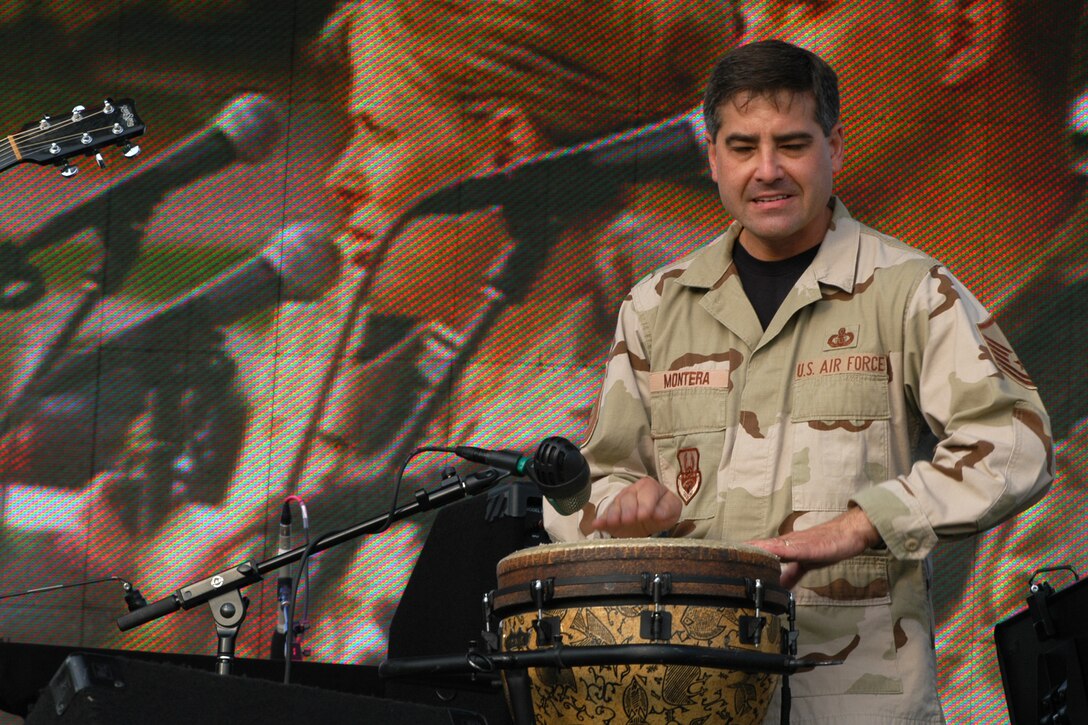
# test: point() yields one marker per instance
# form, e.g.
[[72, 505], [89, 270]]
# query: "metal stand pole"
[[228, 610]]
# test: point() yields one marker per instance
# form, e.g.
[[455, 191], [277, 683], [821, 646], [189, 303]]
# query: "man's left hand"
[[845, 536]]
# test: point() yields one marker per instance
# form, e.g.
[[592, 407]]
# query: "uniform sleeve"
[[994, 456], [618, 447]]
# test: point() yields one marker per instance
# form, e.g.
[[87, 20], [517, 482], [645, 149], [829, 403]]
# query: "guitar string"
[[26, 149], [58, 124], [30, 133], [7, 155]]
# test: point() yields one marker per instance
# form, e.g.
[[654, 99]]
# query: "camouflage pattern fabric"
[[881, 381]]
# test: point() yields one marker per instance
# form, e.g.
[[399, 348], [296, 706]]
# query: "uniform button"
[[911, 544]]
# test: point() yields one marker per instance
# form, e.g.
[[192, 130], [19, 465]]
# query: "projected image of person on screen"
[[437, 91], [494, 93]]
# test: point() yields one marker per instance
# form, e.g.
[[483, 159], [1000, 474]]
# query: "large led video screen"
[[218, 290]]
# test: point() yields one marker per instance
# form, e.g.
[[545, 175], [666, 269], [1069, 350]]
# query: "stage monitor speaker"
[[1043, 654], [441, 610], [92, 689]]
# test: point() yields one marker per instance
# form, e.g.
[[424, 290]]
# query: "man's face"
[[774, 167], [890, 69]]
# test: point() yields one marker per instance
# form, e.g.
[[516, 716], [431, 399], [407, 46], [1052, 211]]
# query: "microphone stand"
[[535, 228], [221, 591], [104, 277]]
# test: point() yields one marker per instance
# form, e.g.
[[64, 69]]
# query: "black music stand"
[[1043, 654]]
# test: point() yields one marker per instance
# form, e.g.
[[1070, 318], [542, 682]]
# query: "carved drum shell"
[[597, 594]]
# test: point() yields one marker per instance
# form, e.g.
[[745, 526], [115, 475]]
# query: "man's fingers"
[[783, 548], [642, 509], [668, 508], [791, 574]]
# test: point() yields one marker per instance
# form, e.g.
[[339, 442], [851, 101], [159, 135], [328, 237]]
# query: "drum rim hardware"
[[656, 624]]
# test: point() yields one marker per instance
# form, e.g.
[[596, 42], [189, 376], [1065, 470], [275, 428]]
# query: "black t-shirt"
[[768, 283]]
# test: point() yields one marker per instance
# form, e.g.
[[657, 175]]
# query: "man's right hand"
[[642, 509]]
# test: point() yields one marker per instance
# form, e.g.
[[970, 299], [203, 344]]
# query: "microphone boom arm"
[[250, 572]]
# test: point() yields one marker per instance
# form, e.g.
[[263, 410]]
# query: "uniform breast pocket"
[[840, 428], [689, 431]]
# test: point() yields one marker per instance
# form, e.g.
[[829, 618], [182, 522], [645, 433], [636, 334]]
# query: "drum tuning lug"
[[791, 638], [489, 611], [755, 593], [751, 629], [541, 590], [490, 640], [656, 625], [657, 586], [548, 631]]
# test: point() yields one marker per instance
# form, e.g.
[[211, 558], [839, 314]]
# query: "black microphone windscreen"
[[562, 473]]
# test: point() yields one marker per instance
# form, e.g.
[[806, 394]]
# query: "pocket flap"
[[849, 396], [688, 410], [858, 582]]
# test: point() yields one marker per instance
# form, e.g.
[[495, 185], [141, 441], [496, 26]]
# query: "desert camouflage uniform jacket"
[[876, 350]]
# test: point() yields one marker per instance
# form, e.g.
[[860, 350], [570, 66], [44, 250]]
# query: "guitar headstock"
[[83, 132]]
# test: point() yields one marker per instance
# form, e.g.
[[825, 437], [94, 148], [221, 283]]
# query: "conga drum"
[[635, 592]]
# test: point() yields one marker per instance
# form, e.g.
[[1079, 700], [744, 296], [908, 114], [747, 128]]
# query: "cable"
[[311, 545], [133, 598], [304, 570]]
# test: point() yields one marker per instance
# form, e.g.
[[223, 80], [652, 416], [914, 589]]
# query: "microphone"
[[283, 584], [246, 129], [675, 147], [558, 468], [297, 265]]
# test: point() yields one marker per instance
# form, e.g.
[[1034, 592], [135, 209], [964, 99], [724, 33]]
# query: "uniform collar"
[[835, 264]]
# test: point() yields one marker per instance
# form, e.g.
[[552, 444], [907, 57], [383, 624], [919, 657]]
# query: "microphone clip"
[[133, 598]]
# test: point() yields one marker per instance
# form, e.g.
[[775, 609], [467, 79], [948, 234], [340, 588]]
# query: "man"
[[773, 387], [958, 113]]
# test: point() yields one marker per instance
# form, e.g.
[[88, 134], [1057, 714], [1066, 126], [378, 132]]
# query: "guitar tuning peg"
[[107, 106], [77, 113], [129, 150], [69, 170], [100, 160]]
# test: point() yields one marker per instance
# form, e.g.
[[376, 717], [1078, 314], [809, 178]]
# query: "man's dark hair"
[[766, 68]]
